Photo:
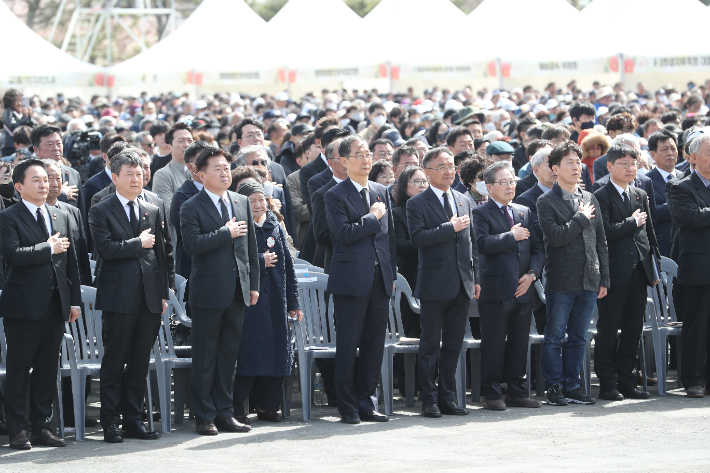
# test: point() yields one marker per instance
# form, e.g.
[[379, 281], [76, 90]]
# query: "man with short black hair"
[[577, 272], [519, 157], [583, 115], [382, 149], [162, 156], [103, 177]]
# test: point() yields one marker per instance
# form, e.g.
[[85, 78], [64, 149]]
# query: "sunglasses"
[[258, 162]]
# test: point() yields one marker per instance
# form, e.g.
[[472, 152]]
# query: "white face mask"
[[379, 120], [151, 116], [357, 116], [481, 188], [490, 126], [641, 172], [344, 122]]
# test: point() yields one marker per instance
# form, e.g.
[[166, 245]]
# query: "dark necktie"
[[669, 177], [507, 216], [363, 194], [134, 220], [42, 224], [225, 212], [627, 201], [447, 206]]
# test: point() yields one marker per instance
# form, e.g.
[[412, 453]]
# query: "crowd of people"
[[470, 196]]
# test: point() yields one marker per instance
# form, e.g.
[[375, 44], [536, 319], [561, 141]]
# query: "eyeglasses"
[[633, 165], [443, 169], [259, 162], [251, 136], [383, 154], [360, 156], [506, 183], [419, 182]]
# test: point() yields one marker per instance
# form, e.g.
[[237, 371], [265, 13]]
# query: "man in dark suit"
[[103, 178], [511, 255], [319, 217], [110, 188], [663, 148], [361, 280], [439, 222], [690, 199], [42, 291], [632, 267], [130, 240], [218, 232]]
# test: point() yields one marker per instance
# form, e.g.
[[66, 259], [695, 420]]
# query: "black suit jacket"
[[407, 254], [81, 246], [600, 169], [662, 222], [31, 267], [682, 167], [525, 184], [624, 238], [309, 244], [502, 260], [307, 172], [218, 260], [359, 239], [529, 200], [278, 175], [441, 249], [93, 185], [123, 258], [641, 182], [319, 180], [183, 261], [520, 159], [691, 207], [320, 222], [673, 250]]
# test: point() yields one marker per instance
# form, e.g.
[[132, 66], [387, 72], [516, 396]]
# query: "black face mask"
[[587, 125], [441, 137], [7, 190]]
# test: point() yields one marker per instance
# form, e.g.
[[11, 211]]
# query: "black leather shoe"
[[431, 410], [47, 439], [635, 393], [243, 420], [268, 416], [231, 425], [450, 408], [112, 434], [20, 441], [206, 428], [350, 418], [137, 430], [611, 395], [373, 416]]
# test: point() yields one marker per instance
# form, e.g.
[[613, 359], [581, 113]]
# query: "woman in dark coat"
[[265, 352], [411, 182]]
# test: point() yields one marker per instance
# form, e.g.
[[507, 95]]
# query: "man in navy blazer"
[[362, 276], [511, 258], [439, 222], [663, 147]]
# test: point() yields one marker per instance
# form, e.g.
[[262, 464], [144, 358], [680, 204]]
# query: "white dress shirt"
[[620, 190], [440, 195], [500, 206], [215, 198], [45, 213], [108, 171], [665, 174], [127, 209], [198, 185]]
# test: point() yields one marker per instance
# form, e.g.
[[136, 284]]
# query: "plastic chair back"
[[87, 330], [308, 267], [318, 328]]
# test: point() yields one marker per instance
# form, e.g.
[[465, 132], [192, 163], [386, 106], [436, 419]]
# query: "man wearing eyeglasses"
[[362, 275], [439, 221], [631, 240], [512, 257]]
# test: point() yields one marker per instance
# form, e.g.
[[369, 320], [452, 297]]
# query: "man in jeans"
[[577, 272]]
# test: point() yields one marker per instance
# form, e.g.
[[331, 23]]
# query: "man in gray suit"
[[440, 226], [218, 232]]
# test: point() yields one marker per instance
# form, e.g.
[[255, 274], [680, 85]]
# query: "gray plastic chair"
[[315, 334], [392, 346], [308, 267], [469, 343], [180, 288]]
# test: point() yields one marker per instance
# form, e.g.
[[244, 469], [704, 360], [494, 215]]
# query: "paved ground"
[[668, 433]]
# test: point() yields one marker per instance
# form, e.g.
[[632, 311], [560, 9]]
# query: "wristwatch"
[[532, 273]]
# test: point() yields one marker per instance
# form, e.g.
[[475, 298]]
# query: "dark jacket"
[[320, 223], [265, 349], [309, 247], [359, 239], [124, 260], [183, 261], [641, 182], [217, 257], [575, 247], [520, 159], [31, 268], [307, 172], [278, 175], [599, 168], [525, 184], [529, 200], [95, 183], [673, 249], [287, 159], [502, 260], [662, 222], [81, 247], [407, 254], [627, 243], [691, 207], [441, 249]]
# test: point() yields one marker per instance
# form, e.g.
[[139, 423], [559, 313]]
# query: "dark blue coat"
[[662, 222], [265, 349]]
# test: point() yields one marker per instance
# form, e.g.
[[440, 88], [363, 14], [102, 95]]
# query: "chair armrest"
[[540, 291]]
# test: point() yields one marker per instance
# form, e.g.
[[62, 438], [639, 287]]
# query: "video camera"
[[79, 145]]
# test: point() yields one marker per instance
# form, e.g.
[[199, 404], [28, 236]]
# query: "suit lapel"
[[355, 198], [143, 220], [658, 182], [208, 205], [120, 213], [703, 191], [497, 214], [616, 198], [459, 201], [518, 215], [55, 221], [436, 204], [30, 221], [236, 210]]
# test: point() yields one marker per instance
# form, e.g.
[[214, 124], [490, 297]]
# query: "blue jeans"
[[570, 313]]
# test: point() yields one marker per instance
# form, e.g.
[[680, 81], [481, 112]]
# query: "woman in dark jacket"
[[13, 116], [265, 353], [411, 182]]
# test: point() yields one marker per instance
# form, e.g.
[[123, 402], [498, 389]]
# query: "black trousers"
[[622, 309], [505, 328], [362, 322], [215, 346], [128, 339], [267, 390], [696, 314], [32, 345], [443, 329]]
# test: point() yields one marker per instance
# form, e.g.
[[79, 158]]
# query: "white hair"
[[248, 150], [695, 144], [107, 121], [540, 155], [626, 139], [76, 124]]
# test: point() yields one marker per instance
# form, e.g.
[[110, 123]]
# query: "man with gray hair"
[[253, 155], [511, 259], [132, 291]]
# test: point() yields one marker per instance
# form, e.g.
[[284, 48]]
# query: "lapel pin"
[[146, 213], [521, 214], [235, 201], [270, 242], [378, 197]]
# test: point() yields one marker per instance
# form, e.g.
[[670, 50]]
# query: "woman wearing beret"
[[265, 353]]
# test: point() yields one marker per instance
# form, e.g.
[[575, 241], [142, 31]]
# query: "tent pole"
[[622, 69], [288, 80], [499, 73], [389, 75]]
